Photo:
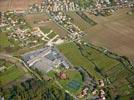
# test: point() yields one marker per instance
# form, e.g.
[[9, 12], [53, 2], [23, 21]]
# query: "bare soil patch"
[[35, 19]]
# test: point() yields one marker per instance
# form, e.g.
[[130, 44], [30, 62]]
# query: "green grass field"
[[72, 52], [4, 40], [100, 59], [10, 74], [45, 29], [52, 35]]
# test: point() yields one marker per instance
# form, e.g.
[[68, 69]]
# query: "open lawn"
[[47, 30], [4, 40], [114, 32], [17, 4], [5, 43], [10, 75]]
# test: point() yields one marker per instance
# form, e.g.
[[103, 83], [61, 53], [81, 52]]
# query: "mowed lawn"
[[10, 75], [4, 40]]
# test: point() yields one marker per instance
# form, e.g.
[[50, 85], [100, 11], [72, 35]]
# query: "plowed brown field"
[[17, 4], [115, 32]]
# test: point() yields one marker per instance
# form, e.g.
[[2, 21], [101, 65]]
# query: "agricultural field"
[[72, 52], [100, 66], [6, 5], [114, 32], [36, 19], [42, 20], [78, 21], [9, 72]]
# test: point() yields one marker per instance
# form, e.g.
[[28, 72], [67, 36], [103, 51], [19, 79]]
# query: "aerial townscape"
[[66, 49]]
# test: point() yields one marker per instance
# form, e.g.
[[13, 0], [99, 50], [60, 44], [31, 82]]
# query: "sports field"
[[73, 83], [17, 4], [114, 32]]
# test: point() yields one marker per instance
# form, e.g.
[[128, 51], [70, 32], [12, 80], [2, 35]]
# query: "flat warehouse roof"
[[44, 59]]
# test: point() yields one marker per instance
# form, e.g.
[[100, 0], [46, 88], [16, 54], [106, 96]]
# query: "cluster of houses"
[[65, 21], [2, 68], [83, 93], [97, 7], [60, 5], [37, 7], [99, 92], [25, 36], [3, 21], [53, 6], [18, 33]]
